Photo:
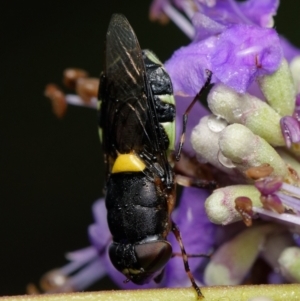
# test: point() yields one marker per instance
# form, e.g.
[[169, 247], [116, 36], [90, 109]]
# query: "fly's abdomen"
[[136, 209]]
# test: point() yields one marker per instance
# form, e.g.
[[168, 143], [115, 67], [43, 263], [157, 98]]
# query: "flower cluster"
[[250, 140]]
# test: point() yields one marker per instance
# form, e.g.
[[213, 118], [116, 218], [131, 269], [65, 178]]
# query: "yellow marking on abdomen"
[[128, 163]]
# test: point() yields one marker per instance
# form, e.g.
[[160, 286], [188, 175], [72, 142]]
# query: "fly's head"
[[141, 262]]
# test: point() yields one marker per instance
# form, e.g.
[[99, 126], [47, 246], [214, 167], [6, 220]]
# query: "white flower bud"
[[246, 150], [232, 261], [220, 205], [248, 110], [205, 140], [279, 89], [289, 261]]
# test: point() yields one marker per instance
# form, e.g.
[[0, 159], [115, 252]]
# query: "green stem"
[[289, 292]]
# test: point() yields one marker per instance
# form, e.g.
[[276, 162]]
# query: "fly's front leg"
[[194, 182], [176, 232], [175, 254], [185, 115]]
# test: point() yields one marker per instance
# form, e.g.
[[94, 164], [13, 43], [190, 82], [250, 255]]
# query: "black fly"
[[137, 125]]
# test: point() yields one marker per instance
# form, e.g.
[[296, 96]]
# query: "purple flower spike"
[[290, 130], [244, 52]]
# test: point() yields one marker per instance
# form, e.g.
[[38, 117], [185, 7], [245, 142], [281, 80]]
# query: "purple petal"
[[91, 273], [227, 12], [98, 232], [290, 197], [290, 130], [296, 113], [244, 52], [260, 12], [290, 202], [298, 100], [206, 26], [83, 255], [187, 67], [289, 220], [272, 202], [209, 3], [289, 50], [239, 55], [268, 185]]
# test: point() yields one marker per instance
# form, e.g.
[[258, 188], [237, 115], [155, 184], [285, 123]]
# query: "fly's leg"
[[194, 182], [185, 115], [191, 173], [192, 255], [176, 232]]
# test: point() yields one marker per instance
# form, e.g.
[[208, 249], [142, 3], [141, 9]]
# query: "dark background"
[[51, 170]]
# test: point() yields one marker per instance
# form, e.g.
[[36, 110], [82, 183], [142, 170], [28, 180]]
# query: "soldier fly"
[[137, 126]]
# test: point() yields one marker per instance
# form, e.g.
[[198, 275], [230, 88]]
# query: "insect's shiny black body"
[[137, 107]]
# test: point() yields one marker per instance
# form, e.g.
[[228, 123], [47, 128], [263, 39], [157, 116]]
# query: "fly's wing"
[[128, 122], [124, 103]]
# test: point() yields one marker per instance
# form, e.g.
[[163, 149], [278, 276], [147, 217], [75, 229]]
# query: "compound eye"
[[153, 256]]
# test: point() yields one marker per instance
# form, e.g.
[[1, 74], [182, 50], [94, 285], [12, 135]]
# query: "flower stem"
[[289, 292]]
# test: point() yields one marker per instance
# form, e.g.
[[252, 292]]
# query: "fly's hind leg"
[[191, 173], [176, 232], [194, 182]]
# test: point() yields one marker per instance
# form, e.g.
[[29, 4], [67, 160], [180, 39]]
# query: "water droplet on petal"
[[225, 161], [216, 124], [237, 113]]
